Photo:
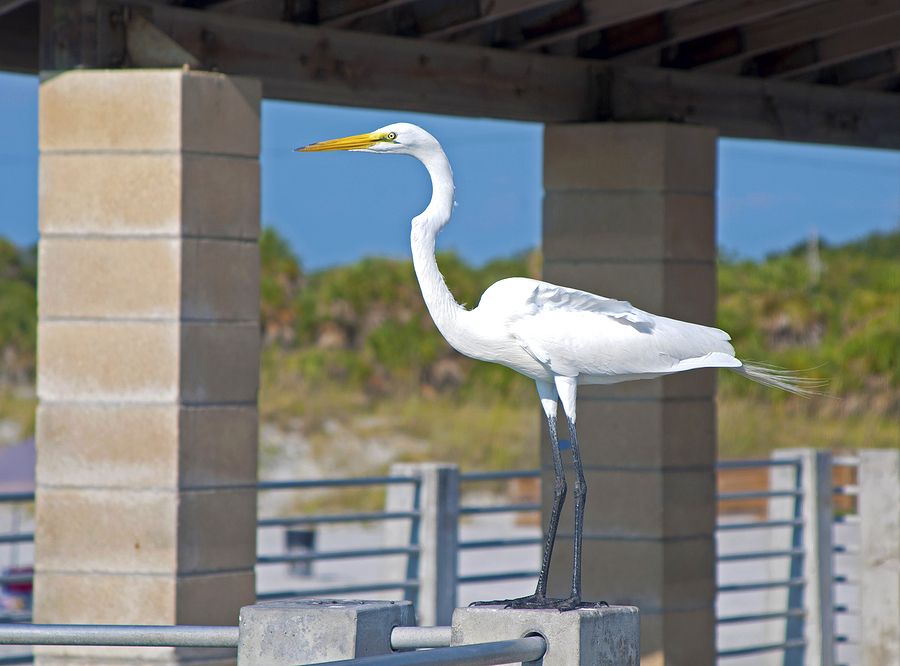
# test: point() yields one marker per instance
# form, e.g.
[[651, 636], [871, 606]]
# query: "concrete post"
[[813, 536], [287, 633], [629, 213], [585, 637], [436, 497], [879, 512], [148, 353]]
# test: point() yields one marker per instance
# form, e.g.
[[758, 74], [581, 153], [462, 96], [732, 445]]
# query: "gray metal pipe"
[[413, 638], [530, 648], [118, 635]]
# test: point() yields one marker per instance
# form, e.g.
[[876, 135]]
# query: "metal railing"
[[807, 550], [436, 639]]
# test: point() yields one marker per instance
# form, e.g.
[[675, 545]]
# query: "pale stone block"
[[109, 278], [215, 598], [652, 574], [216, 530], [680, 290], [135, 446], [146, 446], [220, 196], [145, 532], [644, 433], [101, 598], [135, 110], [104, 598], [220, 113], [597, 224], [220, 280], [109, 361], [110, 193], [669, 504], [218, 446], [144, 194], [115, 531], [219, 362], [630, 156]]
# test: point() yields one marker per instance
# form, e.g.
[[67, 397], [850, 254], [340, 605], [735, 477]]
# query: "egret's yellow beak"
[[355, 142]]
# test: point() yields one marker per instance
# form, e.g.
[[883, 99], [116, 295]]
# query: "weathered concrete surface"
[[607, 636], [149, 354], [284, 633], [629, 213]]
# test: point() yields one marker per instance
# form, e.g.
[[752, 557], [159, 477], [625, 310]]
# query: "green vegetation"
[[353, 363]]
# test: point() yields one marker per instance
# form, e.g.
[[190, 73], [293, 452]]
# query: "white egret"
[[559, 337]]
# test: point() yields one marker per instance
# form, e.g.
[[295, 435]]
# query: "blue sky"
[[339, 207]]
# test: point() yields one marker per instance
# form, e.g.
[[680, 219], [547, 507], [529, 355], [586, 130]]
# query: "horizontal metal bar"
[[17, 537], [335, 483], [16, 578], [847, 519], [845, 461], [759, 462], [840, 549], [761, 585], [7, 617], [530, 648], [500, 508], [336, 590], [17, 659], [757, 494], [488, 577], [500, 543], [118, 635], [848, 490], [758, 649], [761, 617], [16, 497], [498, 476], [326, 518], [335, 555], [761, 555], [414, 638], [757, 525]]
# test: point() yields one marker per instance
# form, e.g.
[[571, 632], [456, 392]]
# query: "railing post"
[[879, 513], [436, 498], [814, 566], [290, 632], [582, 637]]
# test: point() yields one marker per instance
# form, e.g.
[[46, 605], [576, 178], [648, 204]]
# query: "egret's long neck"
[[425, 227]]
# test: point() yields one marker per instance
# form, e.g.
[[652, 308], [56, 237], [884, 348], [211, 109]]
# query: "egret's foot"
[[531, 601], [574, 603]]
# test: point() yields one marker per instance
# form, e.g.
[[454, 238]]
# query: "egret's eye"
[[390, 136]]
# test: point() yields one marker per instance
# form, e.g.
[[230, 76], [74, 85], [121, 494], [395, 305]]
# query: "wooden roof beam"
[[844, 46], [705, 18], [313, 64], [869, 71], [599, 14], [796, 27], [7, 6], [489, 11]]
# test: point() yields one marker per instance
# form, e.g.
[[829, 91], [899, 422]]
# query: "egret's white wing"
[[574, 333]]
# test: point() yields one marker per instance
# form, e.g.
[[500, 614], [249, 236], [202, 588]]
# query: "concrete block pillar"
[[629, 213], [879, 512], [148, 353]]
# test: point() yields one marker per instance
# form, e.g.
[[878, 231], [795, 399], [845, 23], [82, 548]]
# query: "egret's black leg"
[[559, 498], [580, 499], [539, 598]]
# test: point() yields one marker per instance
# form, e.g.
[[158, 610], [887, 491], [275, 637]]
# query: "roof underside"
[[816, 70]]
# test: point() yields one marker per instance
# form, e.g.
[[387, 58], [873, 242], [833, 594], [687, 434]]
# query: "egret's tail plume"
[[783, 379]]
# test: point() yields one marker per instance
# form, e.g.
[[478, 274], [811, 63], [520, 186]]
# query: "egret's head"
[[398, 138]]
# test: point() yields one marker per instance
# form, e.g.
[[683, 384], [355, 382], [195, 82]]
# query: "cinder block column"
[[148, 353], [629, 213]]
